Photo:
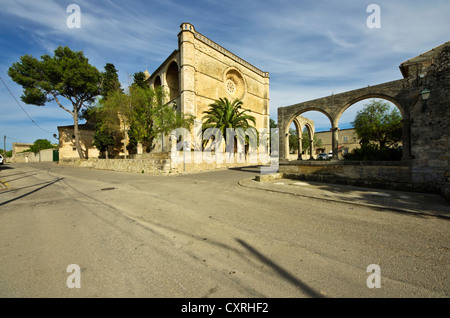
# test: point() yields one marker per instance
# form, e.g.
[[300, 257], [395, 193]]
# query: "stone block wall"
[[42, 156], [219, 73], [430, 126], [382, 175], [158, 163], [152, 166]]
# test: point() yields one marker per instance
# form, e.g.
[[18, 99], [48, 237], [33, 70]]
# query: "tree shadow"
[[281, 271], [46, 184], [29, 175], [278, 269], [254, 169], [5, 167]]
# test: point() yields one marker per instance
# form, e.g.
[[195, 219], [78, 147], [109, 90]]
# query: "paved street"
[[211, 235]]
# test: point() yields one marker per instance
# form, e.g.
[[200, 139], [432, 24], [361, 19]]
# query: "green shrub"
[[372, 152]]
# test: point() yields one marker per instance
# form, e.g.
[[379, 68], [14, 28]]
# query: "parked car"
[[322, 156], [2, 160]]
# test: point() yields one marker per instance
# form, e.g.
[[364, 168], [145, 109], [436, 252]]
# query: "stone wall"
[[383, 175], [67, 147], [42, 156], [18, 147], [426, 125], [152, 166], [219, 73], [161, 163], [430, 125], [207, 72], [348, 140]]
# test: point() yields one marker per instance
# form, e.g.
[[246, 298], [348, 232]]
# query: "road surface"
[[204, 235]]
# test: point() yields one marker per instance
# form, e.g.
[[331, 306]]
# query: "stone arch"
[[157, 82], [333, 106], [405, 121], [284, 128], [173, 82], [298, 113], [368, 96], [311, 132], [299, 129]]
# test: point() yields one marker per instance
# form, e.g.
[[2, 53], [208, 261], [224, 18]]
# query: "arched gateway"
[[423, 99], [334, 106]]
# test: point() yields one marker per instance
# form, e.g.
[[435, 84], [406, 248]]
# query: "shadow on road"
[[284, 274], [46, 184], [254, 169], [5, 167], [281, 271], [26, 176]]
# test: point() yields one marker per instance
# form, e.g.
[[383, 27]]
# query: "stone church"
[[196, 74], [201, 71]]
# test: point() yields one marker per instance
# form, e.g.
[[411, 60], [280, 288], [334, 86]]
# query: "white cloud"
[[310, 48]]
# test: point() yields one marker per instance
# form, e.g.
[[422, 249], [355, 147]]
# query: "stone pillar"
[[311, 148], [300, 146], [283, 136], [187, 69], [335, 142]]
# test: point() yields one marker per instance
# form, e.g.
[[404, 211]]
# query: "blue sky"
[[310, 48]]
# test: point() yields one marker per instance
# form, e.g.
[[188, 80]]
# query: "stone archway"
[[157, 83], [333, 106], [311, 132], [299, 122], [172, 78]]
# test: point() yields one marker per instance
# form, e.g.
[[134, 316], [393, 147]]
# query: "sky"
[[311, 49]]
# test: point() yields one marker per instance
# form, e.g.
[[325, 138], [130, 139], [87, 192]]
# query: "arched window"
[[172, 81]]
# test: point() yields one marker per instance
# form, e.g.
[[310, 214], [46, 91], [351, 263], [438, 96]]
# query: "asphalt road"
[[204, 235]]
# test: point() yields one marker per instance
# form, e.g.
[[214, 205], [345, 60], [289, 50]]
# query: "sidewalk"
[[409, 202]]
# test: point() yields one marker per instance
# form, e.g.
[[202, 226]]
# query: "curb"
[[245, 183]]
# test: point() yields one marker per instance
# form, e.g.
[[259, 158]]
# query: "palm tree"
[[223, 114]]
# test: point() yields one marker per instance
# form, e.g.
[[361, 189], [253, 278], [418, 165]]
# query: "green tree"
[[110, 80], [293, 139], [223, 114], [142, 114], [306, 142], [66, 74], [378, 123], [139, 80], [6, 154], [272, 125], [41, 144], [103, 138], [373, 152]]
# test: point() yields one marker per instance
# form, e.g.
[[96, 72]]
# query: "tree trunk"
[[125, 142], [77, 134]]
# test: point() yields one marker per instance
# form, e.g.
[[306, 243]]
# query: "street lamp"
[[425, 94]]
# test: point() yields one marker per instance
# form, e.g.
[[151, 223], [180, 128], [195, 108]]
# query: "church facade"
[[201, 71]]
